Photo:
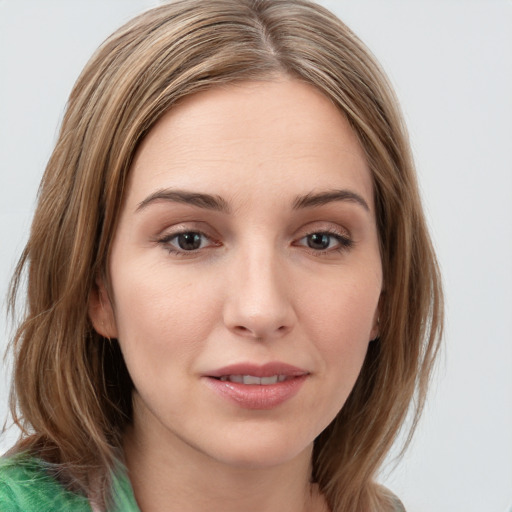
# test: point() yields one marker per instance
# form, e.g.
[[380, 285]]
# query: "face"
[[245, 273]]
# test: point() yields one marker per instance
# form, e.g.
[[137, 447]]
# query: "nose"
[[258, 298]]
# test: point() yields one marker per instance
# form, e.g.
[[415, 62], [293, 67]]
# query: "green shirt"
[[26, 486]]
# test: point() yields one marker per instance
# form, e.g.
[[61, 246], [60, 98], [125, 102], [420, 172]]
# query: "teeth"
[[251, 380]]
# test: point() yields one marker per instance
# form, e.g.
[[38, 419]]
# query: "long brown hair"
[[71, 394]]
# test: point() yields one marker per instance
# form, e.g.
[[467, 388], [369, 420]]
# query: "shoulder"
[[388, 500], [396, 504], [25, 485], [399, 506]]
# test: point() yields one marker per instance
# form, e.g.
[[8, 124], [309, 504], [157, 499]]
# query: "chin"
[[260, 453]]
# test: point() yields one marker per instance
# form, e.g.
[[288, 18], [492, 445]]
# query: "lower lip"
[[254, 396]]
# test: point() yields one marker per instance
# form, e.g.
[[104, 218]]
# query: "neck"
[[166, 472]]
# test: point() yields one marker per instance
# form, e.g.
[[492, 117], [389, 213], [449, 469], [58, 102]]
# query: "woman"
[[232, 294]]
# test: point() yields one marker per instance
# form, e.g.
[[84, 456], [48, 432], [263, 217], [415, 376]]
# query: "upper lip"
[[265, 370]]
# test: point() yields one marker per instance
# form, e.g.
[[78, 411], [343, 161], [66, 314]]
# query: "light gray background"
[[451, 63]]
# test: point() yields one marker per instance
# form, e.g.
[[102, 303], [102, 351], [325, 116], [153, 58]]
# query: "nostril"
[[260, 334], [244, 331]]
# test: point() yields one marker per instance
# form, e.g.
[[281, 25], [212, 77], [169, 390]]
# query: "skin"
[[254, 291]]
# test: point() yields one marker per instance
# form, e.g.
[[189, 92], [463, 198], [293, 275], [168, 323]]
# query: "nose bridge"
[[258, 303]]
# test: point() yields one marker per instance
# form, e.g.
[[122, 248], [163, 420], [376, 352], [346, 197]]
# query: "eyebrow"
[[217, 203], [207, 201], [321, 198]]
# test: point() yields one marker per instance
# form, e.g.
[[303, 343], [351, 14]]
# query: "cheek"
[[343, 331], [345, 310], [161, 314], [342, 327]]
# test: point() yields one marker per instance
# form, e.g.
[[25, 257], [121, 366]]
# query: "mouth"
[[257, 387], [259, 375], [252, 380]]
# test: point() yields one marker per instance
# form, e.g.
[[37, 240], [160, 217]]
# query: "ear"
[[101, 312], [375, 332]]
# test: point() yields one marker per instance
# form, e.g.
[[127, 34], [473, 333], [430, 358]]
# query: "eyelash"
[[171, 249], [345, 243]]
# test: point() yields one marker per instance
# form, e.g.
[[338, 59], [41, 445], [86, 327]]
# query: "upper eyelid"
[[327, 230], [325, 227], [167, 237], [173, 234], [206, 229], [334, 234], [209, 232], [187, 227]]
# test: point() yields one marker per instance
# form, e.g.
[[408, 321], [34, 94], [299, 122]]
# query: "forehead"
[[283, 134]]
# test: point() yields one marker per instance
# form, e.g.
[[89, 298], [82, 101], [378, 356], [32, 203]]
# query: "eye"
[[190, 241], [186, 241], [324, 241]]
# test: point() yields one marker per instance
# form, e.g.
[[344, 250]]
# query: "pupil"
[[318, 241], [189, 241]]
